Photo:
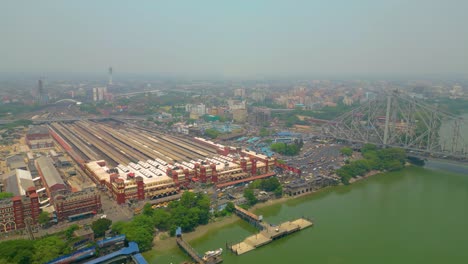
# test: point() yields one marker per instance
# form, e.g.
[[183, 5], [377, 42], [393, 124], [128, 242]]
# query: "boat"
[[212, 254]]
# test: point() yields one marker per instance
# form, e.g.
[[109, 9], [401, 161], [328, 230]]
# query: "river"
[[416, 215]]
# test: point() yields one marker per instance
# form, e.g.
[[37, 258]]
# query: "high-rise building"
[[42, 97], [110, 76]]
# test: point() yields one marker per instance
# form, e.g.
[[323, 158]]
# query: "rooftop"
[[38, 130], [15, 162], [18, 181], [50, 173]]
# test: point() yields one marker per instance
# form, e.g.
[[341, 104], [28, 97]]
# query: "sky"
[[236, 38]]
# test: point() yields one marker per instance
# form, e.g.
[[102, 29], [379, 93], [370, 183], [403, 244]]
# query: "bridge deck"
[[189, 250], [246, 213]]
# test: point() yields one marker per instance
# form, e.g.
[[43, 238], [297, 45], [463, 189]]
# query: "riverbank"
[[360, 215], [163, 242]]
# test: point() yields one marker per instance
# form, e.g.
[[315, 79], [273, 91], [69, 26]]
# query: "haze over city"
[[236, 38], [242, 131]]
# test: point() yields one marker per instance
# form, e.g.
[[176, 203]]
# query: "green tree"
[[70, 230], [230, 207], [287, 149], [347, 151], [119, 227], [212, 133], [17, 251], [148, 209], [264, 132], [47, 249], [250, 196], [140, 235], [100, 226], [5, 195], [161, 219], [44, 218]]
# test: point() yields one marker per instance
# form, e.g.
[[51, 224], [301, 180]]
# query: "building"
[[37, 132], [16, 162], [38, 137], [100, 93], [69, 204], [125, 185], [18, 182], [18, 212], [51, 178], [86, 234], [239, 115], [260, 116], [301, 186], [154, 179], [240, 92], [42, 97]]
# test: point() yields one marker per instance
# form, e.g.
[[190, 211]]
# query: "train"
[[110, 241], [75, 257]]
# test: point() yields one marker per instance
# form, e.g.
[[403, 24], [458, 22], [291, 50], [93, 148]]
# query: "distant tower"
[[42, 96], [40, 89], [110, 76]]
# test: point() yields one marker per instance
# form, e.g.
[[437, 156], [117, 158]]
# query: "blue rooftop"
[[131, 249]]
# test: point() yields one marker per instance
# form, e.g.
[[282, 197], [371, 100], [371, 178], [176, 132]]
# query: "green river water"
[[416, 215]]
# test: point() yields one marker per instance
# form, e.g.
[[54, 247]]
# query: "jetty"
[[197, 258], [267, 233]]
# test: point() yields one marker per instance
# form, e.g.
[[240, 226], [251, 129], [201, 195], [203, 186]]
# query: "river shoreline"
[[163, 243]]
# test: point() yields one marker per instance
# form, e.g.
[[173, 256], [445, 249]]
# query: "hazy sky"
[[236, 38]]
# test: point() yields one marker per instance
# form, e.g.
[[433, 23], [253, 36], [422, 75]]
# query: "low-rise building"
[[18, 212], [51, 178], [38, 137], [69, 204]]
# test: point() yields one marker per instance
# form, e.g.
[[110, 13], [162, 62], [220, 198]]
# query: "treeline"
[[38, 251], [191, 210], [326, 112], [89, 108], [291, 149], [16, 123], [269, 185], [387, 159], [212, 133], [455, 106], [17, 108]]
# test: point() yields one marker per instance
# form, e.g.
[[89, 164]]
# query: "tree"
[[48, 248], [212, 133], [70, 230], [278, 191], [287, 149], [250, 196], [100, 226], [44, 218], [140, 235], [346, 151], [230, 207], [264, 132], [368, 147], [161, 219], [5, 195], [148, 209], [17, 251], [119, 227]]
